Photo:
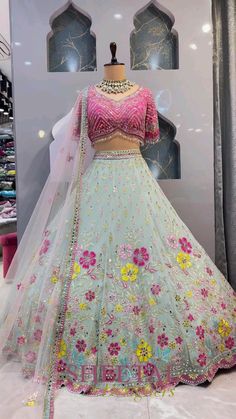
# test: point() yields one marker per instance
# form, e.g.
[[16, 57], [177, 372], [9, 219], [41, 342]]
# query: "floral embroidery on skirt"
[[147, 307]]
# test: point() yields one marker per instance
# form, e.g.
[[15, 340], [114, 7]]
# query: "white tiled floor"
[[216, 400]]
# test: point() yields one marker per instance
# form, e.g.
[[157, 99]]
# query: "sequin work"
[[146, 308], [134, 117]]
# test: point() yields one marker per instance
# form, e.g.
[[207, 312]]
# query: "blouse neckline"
[[115, 100]]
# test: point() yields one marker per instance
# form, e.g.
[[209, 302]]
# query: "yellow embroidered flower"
[[103, 311], [54, 279], [186, 323], [183, 260], [143, 351], [129, 272], [76, 270], [68, 314], [82, 306], [197, 282], [212, 281], [177, 297], [114, 360], [221, 347], [132, 298], [152, 301], [224, 328], [103, 336], [172, 345], [123, 342], [87, 352], [189, 294], [30, 403], [62, 350], [119, 308]]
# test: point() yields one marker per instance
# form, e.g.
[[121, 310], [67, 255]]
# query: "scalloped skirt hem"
[[151, 388]]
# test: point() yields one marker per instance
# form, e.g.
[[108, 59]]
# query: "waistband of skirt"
[[117, 154]]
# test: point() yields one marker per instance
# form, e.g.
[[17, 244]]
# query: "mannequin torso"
[[116, 72]]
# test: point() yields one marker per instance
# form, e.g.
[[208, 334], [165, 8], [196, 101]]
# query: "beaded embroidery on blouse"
[[133, 117]]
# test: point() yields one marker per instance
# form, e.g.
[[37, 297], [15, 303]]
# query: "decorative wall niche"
[[154, 42], [163, 158], [71, 43]]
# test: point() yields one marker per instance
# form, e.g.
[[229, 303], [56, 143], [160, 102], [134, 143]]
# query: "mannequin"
[[116, 71]]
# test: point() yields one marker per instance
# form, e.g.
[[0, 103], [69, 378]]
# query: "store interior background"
[[8, 219], [183, 96]]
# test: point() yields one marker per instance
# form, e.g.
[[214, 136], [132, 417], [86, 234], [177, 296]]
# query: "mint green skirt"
[[147, 307]]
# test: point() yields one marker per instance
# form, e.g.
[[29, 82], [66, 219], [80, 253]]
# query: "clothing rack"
[[8, 216]]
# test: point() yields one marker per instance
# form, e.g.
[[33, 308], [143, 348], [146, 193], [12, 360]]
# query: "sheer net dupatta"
[[38, 309]]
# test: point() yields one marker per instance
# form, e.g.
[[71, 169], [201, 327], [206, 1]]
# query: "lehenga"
[[145, 307]]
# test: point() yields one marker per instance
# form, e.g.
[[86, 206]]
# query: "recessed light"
[[41, 133], [206, 27], [28, 62], [193, 46], [118, 16]]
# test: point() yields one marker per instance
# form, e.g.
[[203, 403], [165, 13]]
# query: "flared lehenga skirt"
[[147, 307]]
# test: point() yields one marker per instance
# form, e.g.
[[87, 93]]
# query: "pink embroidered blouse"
[[134, 117]]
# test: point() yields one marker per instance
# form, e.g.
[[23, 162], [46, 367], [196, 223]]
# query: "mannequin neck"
[[114, 72]]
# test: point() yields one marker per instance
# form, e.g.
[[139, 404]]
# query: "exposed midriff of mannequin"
[[116, 72]]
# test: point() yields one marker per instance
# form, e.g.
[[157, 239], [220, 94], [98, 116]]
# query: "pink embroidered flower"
[[32, 279], [162, 340], [90, 295], [110, 374], [125, 251], [172, 241], [136, 310], [61, 366], [72, 331], [30, 356], [213, 310], [179, 340], [223, 306], [156, 289], [209, 271], [185, 245], [190, 317], [148, 369], [45, 247], [114, 348], [80, 345], [204, 292], [38, 335], [108, 332], [140, 256], [151, 328], [200, 332], [21, 340], [19, 285], [229, 342], [202, 359], [138, 331], [87, 259], [94, 350], [37, 319]]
